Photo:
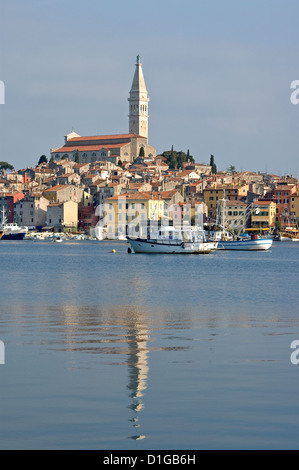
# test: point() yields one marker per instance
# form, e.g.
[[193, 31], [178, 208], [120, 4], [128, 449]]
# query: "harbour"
[[115, 351], [149, 214]]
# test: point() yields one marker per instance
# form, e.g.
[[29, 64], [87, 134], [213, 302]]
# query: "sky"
[[218, 75]]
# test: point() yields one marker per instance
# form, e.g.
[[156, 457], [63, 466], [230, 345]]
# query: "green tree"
[[6, 166], [177, 159], [232, 169], [141, 152], [43, 159], [77, 157], [213, 165], [120, 163]]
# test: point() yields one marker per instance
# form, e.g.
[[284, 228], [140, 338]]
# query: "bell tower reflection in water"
[[138, 371]]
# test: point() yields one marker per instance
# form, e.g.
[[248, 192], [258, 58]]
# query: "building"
[[138, 104], [213, 196], [62, 193], [31, 211], [87, 213], [131, 213], [295, 207], [282, 195], [62, 217], [7, 201], [115, 148], [264, 214], [235, 215]]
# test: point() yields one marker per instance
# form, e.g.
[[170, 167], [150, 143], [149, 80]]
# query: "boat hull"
[[260, 244], [14, 236], [140, 245]]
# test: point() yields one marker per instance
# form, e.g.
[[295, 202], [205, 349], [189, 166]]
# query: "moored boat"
[[173, 241], [251, 244], [12, 231], [1, 234]]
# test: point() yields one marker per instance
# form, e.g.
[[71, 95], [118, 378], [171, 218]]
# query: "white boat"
[[173, 241], [11, 231], [57, 239], [251, 244]]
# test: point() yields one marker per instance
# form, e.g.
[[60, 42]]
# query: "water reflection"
[[138, 369], [116, 331]]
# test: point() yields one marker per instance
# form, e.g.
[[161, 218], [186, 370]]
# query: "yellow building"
[[87, 199], [62, 217], [295, 208], [264, 214], [213, 196], [130, 211]]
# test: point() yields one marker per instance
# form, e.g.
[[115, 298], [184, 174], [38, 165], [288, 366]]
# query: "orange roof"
[[264, 203], [236, 203], [88, 148], [136, 195], [104, 137], [57, 187]]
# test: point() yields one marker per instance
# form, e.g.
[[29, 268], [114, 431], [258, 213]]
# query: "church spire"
[[138, 103]]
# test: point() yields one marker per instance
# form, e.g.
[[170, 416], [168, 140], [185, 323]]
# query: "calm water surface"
[[125, 351]]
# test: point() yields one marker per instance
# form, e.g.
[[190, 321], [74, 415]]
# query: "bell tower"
[[138, 103]]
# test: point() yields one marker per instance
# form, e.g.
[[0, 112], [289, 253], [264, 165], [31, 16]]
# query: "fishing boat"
[[231, 238], [170, 240], [246, 244]]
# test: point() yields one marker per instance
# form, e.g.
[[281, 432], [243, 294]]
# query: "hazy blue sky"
[[218, 73]]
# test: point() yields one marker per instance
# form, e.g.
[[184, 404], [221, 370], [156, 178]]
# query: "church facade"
[[120, 147]]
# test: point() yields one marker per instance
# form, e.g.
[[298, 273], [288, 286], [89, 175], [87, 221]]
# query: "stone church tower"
[[138, 104]]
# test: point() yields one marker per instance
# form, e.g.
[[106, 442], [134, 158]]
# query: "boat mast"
[[223, 211], [4, 220]]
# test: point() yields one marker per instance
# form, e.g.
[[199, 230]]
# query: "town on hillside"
[[63, 192], [63, 196]]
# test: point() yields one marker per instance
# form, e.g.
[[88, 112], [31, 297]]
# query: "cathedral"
[[124, 147]]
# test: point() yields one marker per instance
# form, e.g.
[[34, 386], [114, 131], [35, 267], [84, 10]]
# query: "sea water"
[[111, 350]]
